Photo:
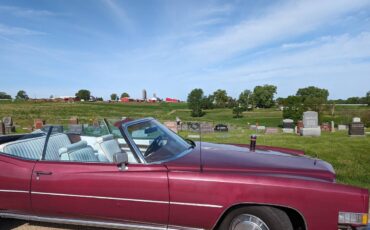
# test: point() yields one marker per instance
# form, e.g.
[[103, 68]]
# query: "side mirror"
[[121, 159]]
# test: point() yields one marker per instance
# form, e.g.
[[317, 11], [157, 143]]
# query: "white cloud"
[[24, 12], [287, 21], [330, 56], [119, 13], [14, 31]]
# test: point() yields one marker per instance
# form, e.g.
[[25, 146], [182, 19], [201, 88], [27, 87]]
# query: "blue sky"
[[172, 46]]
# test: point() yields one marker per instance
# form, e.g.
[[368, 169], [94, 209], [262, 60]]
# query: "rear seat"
[[79, 151], [32, 148]]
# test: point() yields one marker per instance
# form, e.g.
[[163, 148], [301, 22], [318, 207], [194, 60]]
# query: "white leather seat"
[[32, 148], [79, 152], [109, 146]]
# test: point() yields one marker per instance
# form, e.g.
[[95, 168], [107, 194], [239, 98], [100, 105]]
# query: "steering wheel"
[[154, 146]]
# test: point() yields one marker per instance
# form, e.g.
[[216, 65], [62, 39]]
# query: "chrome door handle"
[[39, 173]]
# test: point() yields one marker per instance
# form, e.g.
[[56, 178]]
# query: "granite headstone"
[[310, 123], [172, 125]]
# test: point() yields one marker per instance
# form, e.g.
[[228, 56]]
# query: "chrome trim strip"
[[15, 191], [101, 197], [199, 205], [128, 199], [101, 224], [174, 227]]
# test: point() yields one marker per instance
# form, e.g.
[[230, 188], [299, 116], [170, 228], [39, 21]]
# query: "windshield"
[[156, 142]]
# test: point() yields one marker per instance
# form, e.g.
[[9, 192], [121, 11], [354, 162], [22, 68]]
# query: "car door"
[[101, 191], [15, 175]]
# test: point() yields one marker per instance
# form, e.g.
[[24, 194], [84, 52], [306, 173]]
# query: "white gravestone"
[[310, 124]]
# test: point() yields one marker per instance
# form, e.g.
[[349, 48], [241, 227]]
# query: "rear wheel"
[[256, 218]]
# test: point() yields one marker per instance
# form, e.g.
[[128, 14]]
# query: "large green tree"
[[313, 98], [22, 95], [195, 102], [125, 95], [83, 94], [264, 95], [221, 98], [114, 97], [207, 102], [293, 108], [4, 95], [246, 99], [368, 98]]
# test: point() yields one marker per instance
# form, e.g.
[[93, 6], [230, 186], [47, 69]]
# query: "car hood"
[[269, 161]]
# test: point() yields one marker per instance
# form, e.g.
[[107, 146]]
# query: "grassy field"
[[349, 156]]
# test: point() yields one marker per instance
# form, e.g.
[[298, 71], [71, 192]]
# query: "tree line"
[[309, 98], [261, 97], [82, 94]]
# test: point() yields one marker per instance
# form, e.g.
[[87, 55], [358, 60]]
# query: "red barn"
[[172, 100], [125, 99]]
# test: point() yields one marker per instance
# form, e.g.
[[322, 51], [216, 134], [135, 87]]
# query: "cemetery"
[[346, 145]]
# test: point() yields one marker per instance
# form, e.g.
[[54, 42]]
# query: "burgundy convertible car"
[[140, 175]]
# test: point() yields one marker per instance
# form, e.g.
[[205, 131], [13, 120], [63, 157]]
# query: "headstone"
[[270, 130], [172, 125], [310, 124], [332, 126], [193, 126], [8, 124], [310, 119], [77, 129], [356, 129], [299, 126], [356, 119], [178, 121], [96, 123], [315, 132], [288, 130], [2, 128], [38, 123], [342, 127], [253, 127], [288, 124], [207, 127], [56, 128], [73, 120], [8, 121], [325, 127]]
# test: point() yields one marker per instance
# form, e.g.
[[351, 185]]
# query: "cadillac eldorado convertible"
[[141, 175]]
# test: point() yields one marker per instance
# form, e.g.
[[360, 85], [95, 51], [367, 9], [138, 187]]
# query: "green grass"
[[349, 156]]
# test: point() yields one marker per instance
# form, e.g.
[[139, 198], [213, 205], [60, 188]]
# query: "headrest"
[[73, 147], [104, 138]]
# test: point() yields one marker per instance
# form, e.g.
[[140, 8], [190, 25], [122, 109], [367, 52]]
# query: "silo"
[[144, 94]]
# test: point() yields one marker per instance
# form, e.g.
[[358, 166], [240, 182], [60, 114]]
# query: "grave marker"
[[172, 125], [356, 128], [310, 123]]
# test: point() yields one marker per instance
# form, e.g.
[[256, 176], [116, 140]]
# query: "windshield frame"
[[134, 148]]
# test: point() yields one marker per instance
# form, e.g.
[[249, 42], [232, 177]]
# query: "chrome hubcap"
[[247, 222]]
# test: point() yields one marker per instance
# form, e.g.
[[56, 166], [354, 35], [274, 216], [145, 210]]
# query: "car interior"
[[69, 147]]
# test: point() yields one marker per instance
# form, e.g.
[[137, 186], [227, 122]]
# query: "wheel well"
[[295, 217]]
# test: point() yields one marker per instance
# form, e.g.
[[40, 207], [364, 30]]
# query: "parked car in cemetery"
[[137, 174], [221, 128]]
